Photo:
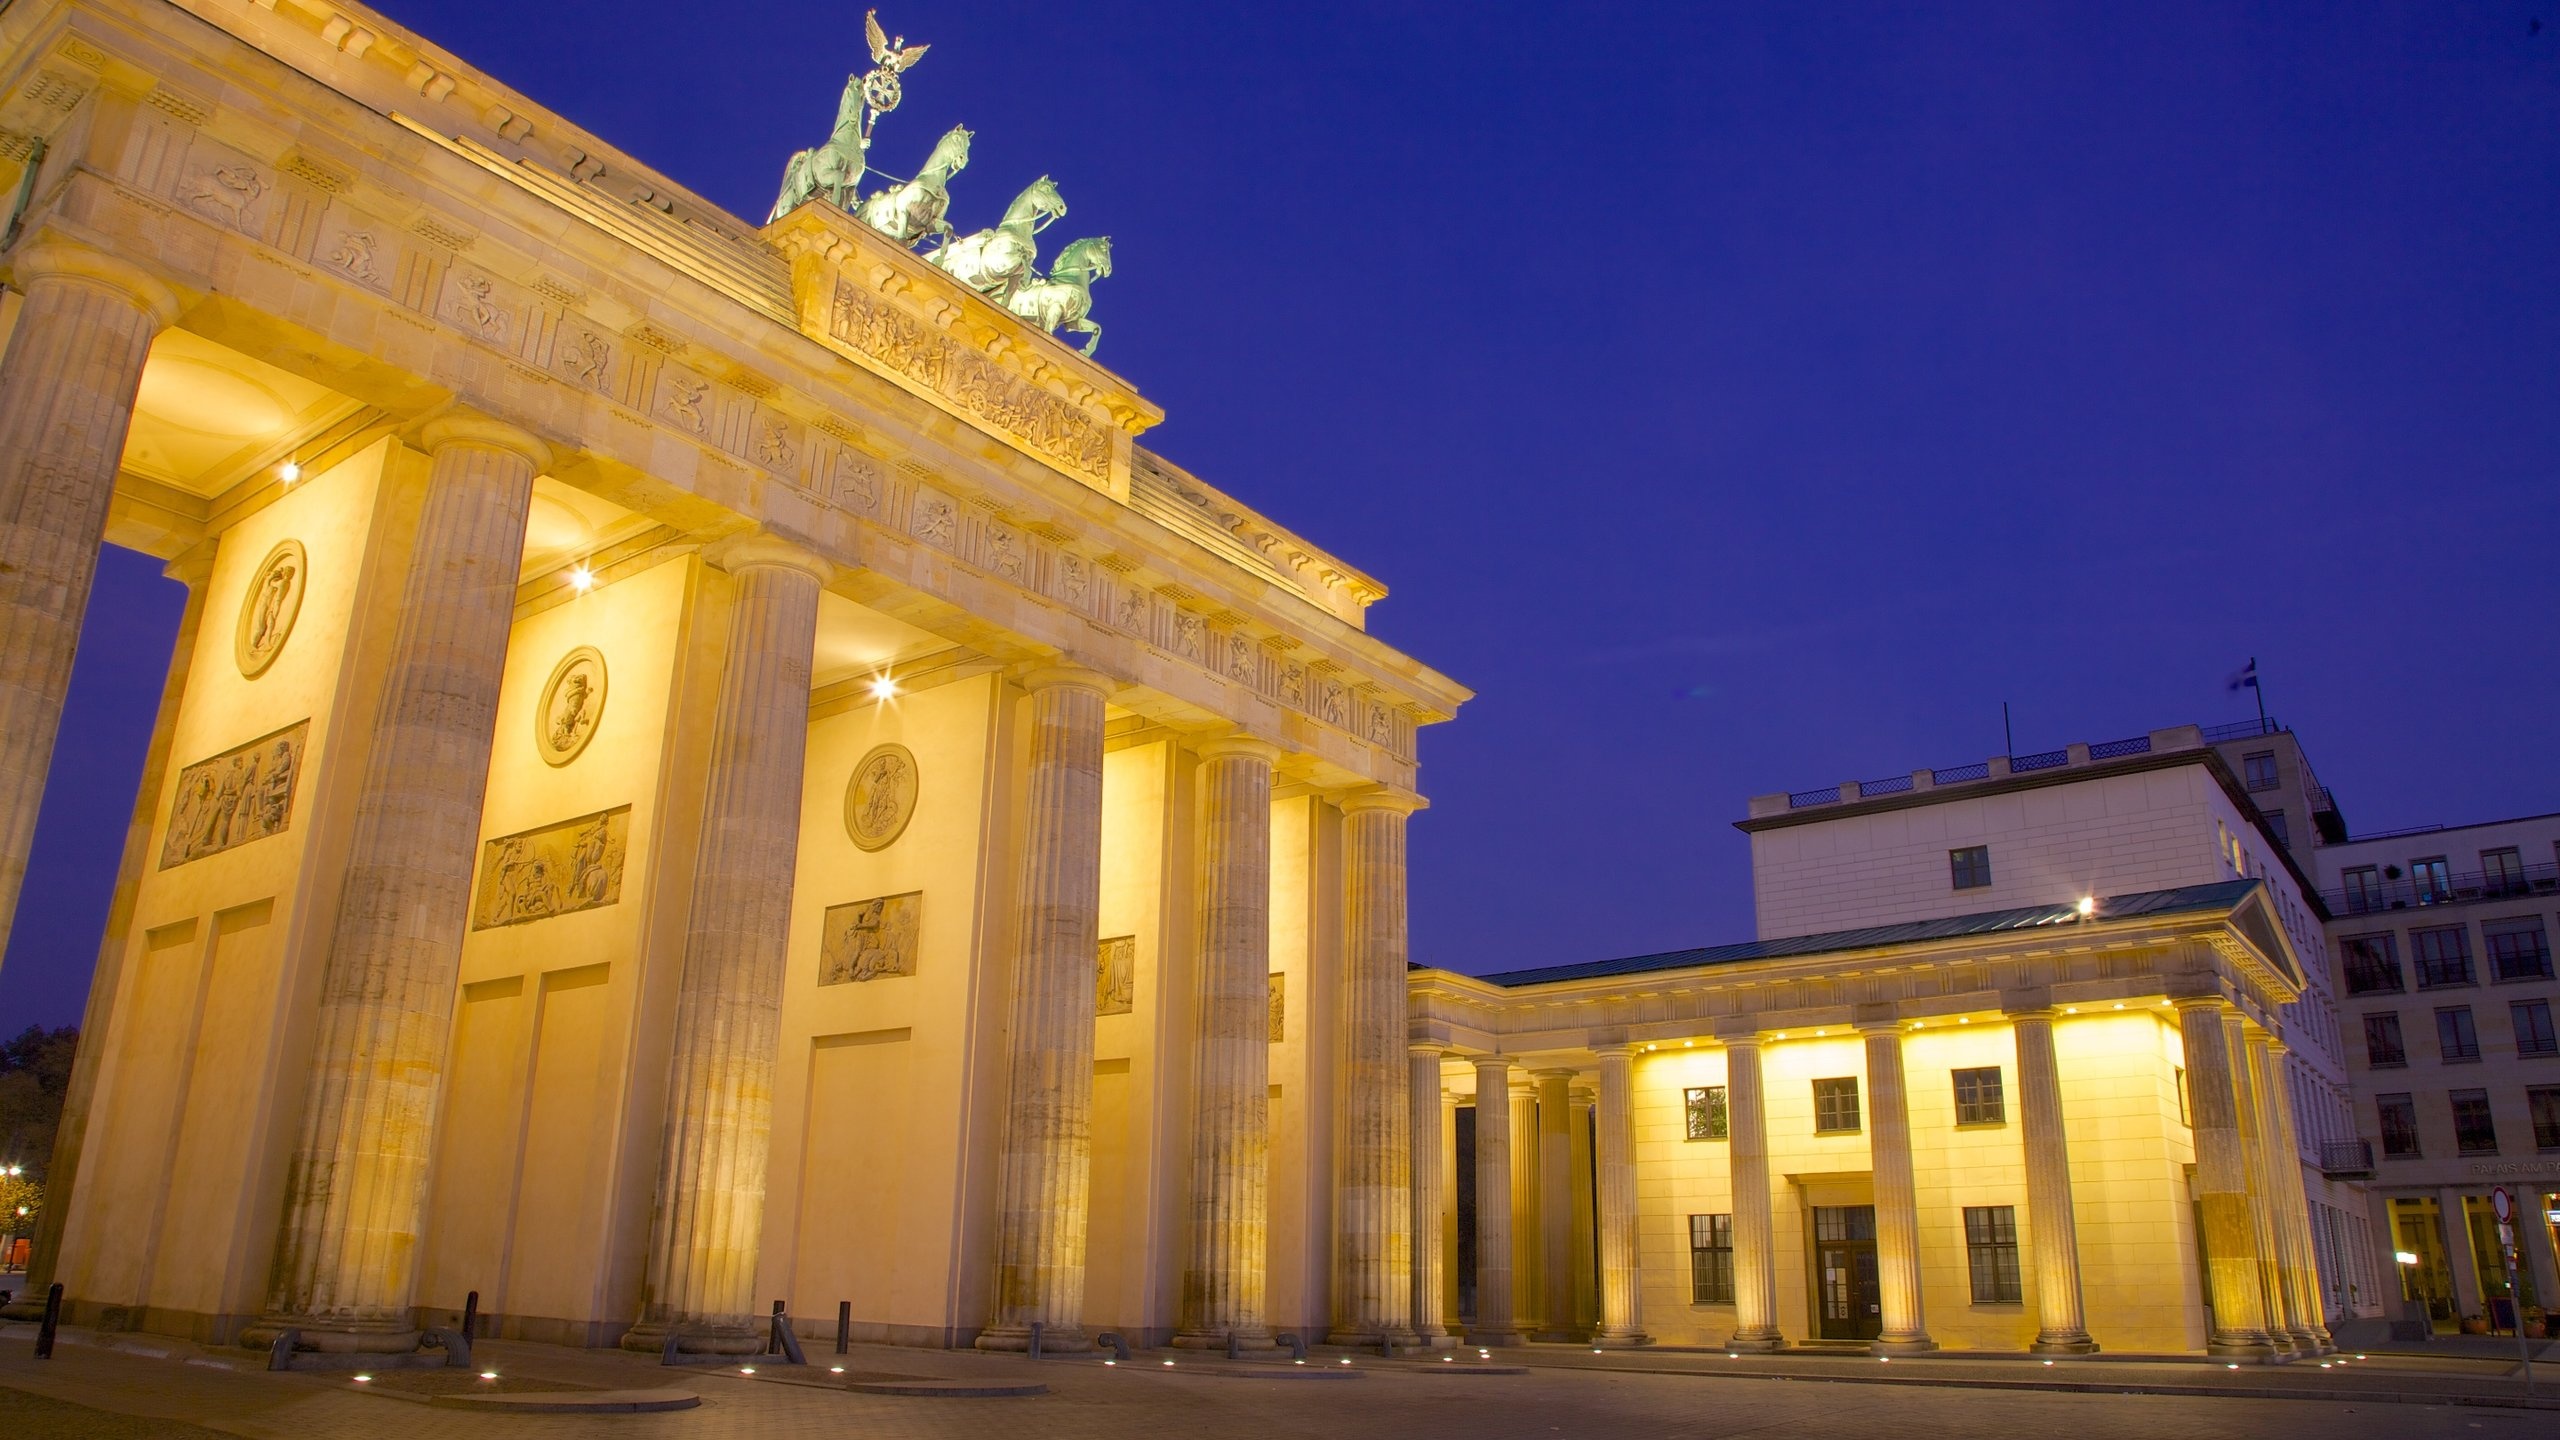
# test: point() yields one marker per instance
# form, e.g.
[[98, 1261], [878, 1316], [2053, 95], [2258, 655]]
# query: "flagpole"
[[2260, 686]]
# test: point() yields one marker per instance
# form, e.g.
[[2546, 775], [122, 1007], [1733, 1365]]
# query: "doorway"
[[1848, 1301]]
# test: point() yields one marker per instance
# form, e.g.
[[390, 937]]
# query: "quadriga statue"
[[997, 262], [1063, 299], [919, 209]]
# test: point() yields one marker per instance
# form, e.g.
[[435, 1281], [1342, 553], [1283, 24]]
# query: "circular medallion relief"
[[572, 705], [267, 612], [881, 797]]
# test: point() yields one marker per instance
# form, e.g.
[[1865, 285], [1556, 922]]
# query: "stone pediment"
[[881, 306]]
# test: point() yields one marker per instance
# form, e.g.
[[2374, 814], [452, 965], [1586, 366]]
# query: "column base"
[[335, 1337], [649, 1337], [1756, 1342], [2312, 1342], [1247, 1337], [1912, 1344], [25, 1307], [1622, 1337], [2063, 1342], [2249, 1345], [1558, 1337], [1016, 1340], [1437, 1340], [1367, 1338], [1495, 1339]]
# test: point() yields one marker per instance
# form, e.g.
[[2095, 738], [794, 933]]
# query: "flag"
[[2245, 678]]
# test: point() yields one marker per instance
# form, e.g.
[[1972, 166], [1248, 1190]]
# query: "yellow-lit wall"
[[2128, 1151], [1306, 923], [1141, 1060]]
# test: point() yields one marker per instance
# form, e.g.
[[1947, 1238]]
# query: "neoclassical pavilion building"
[[2041, 1128], [704, 764]]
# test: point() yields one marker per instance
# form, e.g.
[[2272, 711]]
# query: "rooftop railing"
[[1978, 770], [2423, 888]]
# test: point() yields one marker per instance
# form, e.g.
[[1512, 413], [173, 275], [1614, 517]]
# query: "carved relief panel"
[[870, 939], [243, 794], [1279, 1006], [1115, 975], [572, 706], [268, 610], [881, 797], [556, 869]]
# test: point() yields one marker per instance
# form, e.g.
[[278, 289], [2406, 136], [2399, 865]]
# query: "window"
[[1710, 1259], [2533, 1028], [2431, 880], [2518, 950], [1979, 1100], [1708, 1119], [2277, 828], [2399, 1125], [2455, 1038], [2502, 872], [2258, 771], [2443, 956], [2382, 1046], [2364, 889], [1970, 867], [2181, 1075], [1991, 1243], [1835, 1106], [2544, 1102], [2474, 1133], [2372, 963]]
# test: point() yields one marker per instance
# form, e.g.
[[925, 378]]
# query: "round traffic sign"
[[2502, 1204]]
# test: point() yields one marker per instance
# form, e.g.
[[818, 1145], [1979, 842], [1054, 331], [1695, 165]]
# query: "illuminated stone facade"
[[666, 713]]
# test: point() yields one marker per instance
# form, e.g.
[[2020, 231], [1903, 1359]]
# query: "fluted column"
[[1613, 1125], [2295, 1213], [709, 1224], [1223, 1284], [70, 1134], [2222, 1183], [2281, 1171], [1494, 1323], [67, 388], [346, 1261], [1755, 1256], [1373, 1211], [2062, 1326], [1555, 1206], [1528, 1232], [1896, 1188], [1430, 1179], [2247, 1084], [1048, 1143]]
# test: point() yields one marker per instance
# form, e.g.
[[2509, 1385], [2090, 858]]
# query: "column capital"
[[1380, 797], [51, 258], [1067, 675], [1739, 1030], [739, 554], [2210, 999], [1238, 746], [1565, 1073], [1426, 1050], [466, 427], [1610, 1049], [1879, 1017]]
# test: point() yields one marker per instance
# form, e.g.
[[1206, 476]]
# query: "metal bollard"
[[1387, 1345], [52, 1321], [1297, 1344], [471, 1316], [1118, 1342], [844, 1326], [1235, 1347], [1034, 1351]]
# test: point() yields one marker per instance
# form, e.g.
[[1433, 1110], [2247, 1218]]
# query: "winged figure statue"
[[890, 59]]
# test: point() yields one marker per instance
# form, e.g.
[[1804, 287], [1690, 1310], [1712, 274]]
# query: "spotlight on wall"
[[2088, 906], [2405, 1257], [582, 579], [288, 472], [884, 688]]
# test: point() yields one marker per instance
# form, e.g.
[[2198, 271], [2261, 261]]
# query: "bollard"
[[1235, 1347], [1296, 1343], [1387, 1345], [52, 1321], [1119, 1344], [1034, 1351], [471, 1316], [782, 1341], [844, 1326]]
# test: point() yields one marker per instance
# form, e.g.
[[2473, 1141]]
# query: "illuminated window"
[[1991, 1244], [1979, 1100], [1706, 1112], [1710, 1259], [1835, 1106], [1970, 867]]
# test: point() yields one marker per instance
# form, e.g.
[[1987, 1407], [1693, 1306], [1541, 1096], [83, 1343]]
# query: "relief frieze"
[[243, 794], [870, 939], [1047, 423], [556, 869], [1115, 975]]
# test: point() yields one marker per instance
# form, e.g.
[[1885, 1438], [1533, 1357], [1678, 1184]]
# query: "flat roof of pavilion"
[[2221, 896]]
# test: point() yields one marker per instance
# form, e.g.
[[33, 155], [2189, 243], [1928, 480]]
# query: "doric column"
[[1896, 1189], [709, 1223], [1223, 1284], [1494, 1324], [2222, 1183], [1613, 1126], [2280, 1171], [2062, 1327], [1430, 1179], [67, 388], [1755, 1258], [192, 569], [1555, 1206], [2248, 1087], [1048, 1139], [1528, 1234], [2294, 1213], [1373, 1209], [346, 1261]]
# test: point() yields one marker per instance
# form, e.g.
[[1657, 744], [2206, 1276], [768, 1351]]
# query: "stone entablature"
[[361, 244]]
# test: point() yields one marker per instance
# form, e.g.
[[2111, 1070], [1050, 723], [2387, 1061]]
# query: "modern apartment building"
[[2174, 808], [2442, 938]]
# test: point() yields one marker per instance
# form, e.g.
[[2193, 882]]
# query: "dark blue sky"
[[1739, 398]]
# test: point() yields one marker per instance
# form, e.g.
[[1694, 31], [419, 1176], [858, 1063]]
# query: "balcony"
[[2347, 1159], [2410, 892]]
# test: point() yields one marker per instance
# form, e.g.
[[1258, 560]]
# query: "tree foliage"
[[35, 1070]]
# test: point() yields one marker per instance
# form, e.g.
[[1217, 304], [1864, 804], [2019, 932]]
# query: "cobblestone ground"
[[112, 1387]]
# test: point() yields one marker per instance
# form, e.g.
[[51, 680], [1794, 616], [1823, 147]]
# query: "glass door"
[[1848, 1301]]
